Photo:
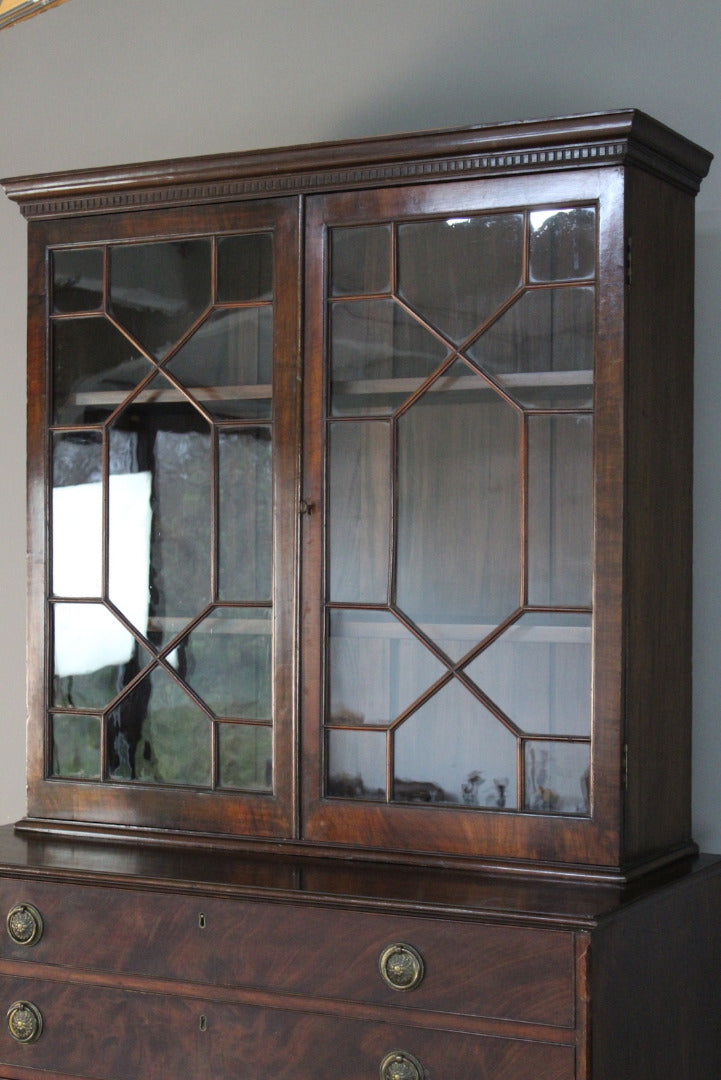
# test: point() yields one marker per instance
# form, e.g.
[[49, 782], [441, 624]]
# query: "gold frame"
[[12, 11]]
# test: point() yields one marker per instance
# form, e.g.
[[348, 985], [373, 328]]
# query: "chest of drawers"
[[116, 965]]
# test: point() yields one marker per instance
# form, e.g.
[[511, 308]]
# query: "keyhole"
[[203, 1024], [201, 920]]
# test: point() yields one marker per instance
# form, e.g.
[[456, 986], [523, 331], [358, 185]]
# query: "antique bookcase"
[[359, 570]]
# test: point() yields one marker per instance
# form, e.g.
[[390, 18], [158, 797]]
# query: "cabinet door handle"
[[400, 1065], [401, 966], [25, 924], [25, 1021]]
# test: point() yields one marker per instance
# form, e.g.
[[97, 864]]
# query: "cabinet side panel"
[[659, 523], [654, 967], [36, 502]]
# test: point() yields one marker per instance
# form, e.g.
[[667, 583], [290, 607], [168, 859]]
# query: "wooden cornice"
[[601, 139]]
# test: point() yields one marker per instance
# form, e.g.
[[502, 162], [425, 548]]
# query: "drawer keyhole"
[[201, 920], [203, 1022]]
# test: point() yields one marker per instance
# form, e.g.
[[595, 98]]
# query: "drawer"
[[479, 969], [111, 1034]]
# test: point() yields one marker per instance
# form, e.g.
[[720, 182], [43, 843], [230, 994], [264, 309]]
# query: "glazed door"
[[454, 543], [171, 419]]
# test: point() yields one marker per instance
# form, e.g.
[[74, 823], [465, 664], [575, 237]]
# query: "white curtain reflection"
[[86, 638]]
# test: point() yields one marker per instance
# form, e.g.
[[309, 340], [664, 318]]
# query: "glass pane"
[[77, 568], [541, 350], [557, 777], [77, 458], [539, 673], [563, 244], [226, 364], [357, 765], [94, 656], [245, 484], [459, 462], [452, 750], [77, 280], [457, 271], [360, 260], [76, 747], [359, 511], [94, 368], [246, 757], [245, 267], [157, 291], [377, 668], [158, 735], [379, 356], [159, 540], [226, 659], [560, 510]]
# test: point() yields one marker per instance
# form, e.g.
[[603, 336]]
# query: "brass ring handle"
[[400, 1065], [25, 924], [25, 1022], [401, 966]]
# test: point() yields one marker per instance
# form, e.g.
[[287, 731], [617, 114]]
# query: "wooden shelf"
[[261, 392]]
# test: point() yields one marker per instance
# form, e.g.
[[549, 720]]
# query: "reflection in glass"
[[245, 486], [77, 280], [357, 764], [77, 458], [360, 260], [159, 547], [226, 364], [541, 349], [246, 757], [245, 267], [560, 510], [379, 356], [452, 750], [563, 244], [459, 462], [359, 511], [94, 368], [539, 672], [77, 496], [76, 747], [377, 668], [94, 656], [456, 272], [158, 735], [158, 290], [557, 777], [226, 660]]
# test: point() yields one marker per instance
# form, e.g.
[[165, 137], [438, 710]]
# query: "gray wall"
[[95, 82]]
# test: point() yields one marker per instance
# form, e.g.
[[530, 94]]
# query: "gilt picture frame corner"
[[14, 11]]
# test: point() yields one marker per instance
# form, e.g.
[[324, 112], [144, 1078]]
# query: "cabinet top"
[[621, 137], [332, 883]]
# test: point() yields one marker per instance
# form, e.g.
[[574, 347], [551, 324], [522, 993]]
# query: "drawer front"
[[111, 1034], [503, 972]]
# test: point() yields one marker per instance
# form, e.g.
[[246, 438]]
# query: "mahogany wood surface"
[[536, 145], [276, 960], [226, 934], [641, 646]]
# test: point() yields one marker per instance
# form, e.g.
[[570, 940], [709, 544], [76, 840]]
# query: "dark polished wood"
[[220, 933], [640, 792], [613, 138], [522, 975]]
